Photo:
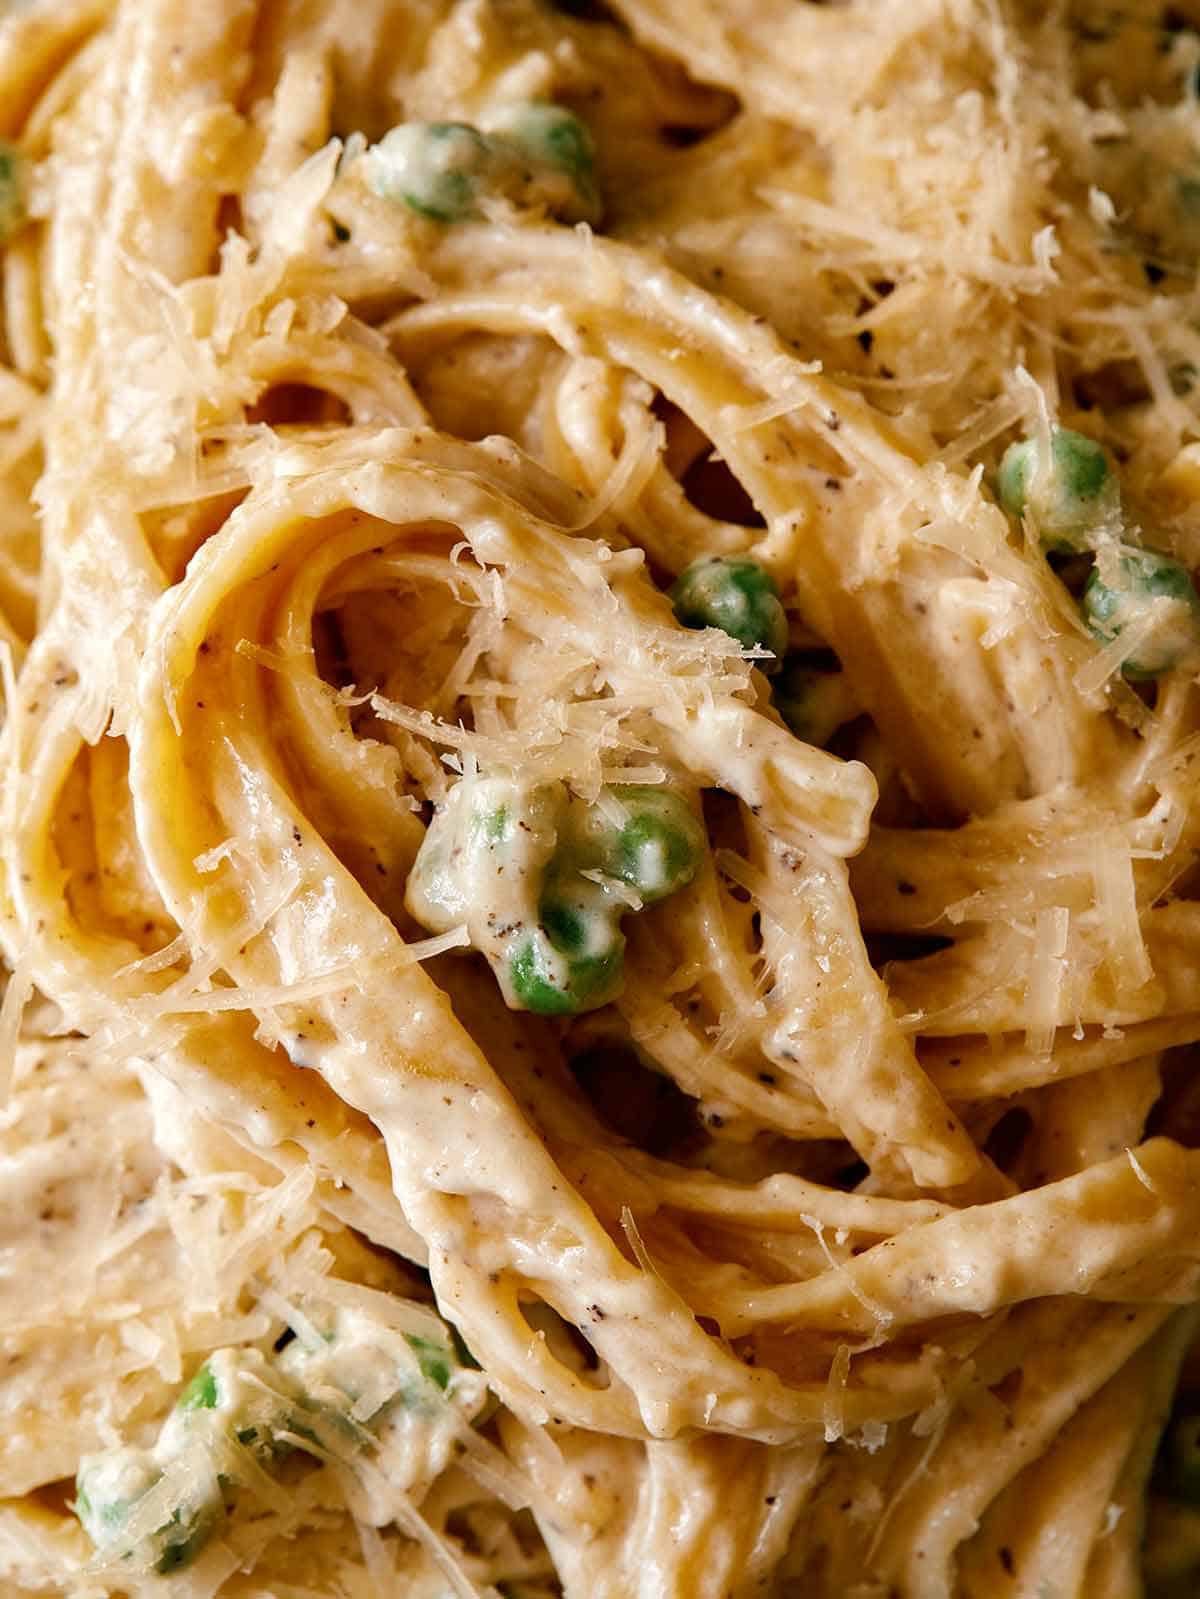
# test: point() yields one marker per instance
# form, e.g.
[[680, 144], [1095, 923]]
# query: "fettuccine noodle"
[[520, 1082]]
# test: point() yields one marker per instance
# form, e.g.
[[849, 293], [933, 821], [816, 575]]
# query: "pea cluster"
[[1072, 501], [534, 153], [543, 881], [739, 596], [572, 959], [242, 1403]]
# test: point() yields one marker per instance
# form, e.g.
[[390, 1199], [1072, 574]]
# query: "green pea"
[[552, 136], [201, 1393], [436, 168], [542, 979], [108, 1486], [435, 1360], [813, 701], [1183, 1459], [1072, 500], [550, 133], [738, 596], [1145, 576], [462, 1354], [13, 214], [262, 1438], [658, 850], [496, 825], [182, 1538], [572, 930], [352, 1365]]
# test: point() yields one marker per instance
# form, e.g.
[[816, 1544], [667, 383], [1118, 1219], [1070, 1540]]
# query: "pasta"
[[599, 798]]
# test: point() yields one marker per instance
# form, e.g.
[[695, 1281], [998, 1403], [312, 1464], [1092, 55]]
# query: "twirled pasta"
[[850, 1247]]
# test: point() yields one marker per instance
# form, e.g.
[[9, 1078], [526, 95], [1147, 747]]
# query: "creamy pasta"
[[599, 798]]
